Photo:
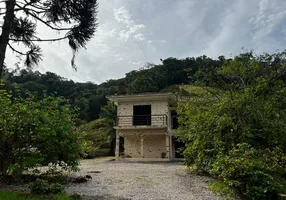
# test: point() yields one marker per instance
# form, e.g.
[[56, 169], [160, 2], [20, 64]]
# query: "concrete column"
[[167, 147], [117, 145], [171, 147], [142, 145]]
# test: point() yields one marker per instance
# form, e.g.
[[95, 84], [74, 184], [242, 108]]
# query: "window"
[[141, 115]]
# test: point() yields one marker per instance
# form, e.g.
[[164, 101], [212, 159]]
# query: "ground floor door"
[[178, 147]]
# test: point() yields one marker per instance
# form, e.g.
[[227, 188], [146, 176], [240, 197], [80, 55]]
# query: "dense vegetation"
[[236, 131], [90, 97]]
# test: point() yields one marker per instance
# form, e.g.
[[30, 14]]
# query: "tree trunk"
[[6, 30]]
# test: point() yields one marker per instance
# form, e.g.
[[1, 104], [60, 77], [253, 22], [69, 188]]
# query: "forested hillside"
[[90, 97]]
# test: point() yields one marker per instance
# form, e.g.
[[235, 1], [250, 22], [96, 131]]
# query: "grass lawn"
[[22, 196]]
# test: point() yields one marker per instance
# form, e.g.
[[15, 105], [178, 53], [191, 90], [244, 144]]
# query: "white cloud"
[[123, 16], [139, 37]]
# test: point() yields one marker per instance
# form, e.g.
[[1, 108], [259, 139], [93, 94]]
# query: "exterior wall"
[[132, 146], [154, 145], [157, 107]]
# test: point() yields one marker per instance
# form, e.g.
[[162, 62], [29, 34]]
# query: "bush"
[[222, 189], [44, 187], [252, 173], [37, 131], [57, 188], [40, 187]]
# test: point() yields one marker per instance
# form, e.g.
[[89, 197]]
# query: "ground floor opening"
[[144, 144], [178, 147]]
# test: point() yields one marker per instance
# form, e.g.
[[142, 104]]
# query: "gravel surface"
[[119, 180]]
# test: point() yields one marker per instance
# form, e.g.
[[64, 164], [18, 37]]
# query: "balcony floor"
[[142, 127]]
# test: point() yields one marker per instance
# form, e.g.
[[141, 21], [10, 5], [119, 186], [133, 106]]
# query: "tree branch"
[[13, 49], [26, 4], [30, 9], [40, 40], [44, 22], [40, 8], [278, 75]]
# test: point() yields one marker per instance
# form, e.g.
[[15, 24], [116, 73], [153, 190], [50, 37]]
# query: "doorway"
[[178, 147], [141, 115]]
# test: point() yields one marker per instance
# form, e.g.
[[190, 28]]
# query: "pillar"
[[142, 145], [117, 145], [168, 147], [171, 147]]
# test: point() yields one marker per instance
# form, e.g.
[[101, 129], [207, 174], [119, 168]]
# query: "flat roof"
[[170, 97]]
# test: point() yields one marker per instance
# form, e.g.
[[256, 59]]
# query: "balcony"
[[142, 121]]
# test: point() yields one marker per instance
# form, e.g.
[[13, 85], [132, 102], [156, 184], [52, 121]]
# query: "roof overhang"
[[169, 97]]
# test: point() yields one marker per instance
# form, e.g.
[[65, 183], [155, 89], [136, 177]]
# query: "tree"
[[20, 19]]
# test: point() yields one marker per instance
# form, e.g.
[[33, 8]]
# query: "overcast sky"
[[133, 32]]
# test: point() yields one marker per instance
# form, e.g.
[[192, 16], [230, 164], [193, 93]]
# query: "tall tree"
[[75, 18]]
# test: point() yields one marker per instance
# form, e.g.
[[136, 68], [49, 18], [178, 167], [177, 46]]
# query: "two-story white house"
[[144, 123]]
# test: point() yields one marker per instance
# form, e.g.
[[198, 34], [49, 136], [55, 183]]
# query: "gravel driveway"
[[119, 180]]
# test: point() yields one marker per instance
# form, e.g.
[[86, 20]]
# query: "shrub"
[[253, 173], [222, 189], [37, 131], [57, 188], [40, 187], [44, 187]]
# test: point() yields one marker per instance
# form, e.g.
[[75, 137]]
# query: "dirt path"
[[119, 180]]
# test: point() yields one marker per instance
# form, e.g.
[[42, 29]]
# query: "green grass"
[[200, 91], [5, 195], [92, 125], [221, 189], [194, 90]]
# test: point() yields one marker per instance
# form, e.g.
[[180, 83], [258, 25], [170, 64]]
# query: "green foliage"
[[163, 155], [44, 187], [248, 106], [57, 188], [90, 98], [95, 137], [35, 131], [256, 174], [222, 189], [100, 133], [40, 187]]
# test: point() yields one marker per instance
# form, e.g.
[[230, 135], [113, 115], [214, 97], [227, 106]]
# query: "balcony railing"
[[142, 120]]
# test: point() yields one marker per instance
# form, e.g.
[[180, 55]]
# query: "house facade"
[[144, 127]]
